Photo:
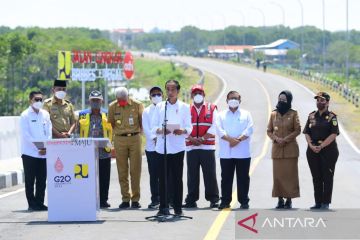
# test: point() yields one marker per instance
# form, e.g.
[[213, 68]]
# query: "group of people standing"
[[189, 128], [321, 130]]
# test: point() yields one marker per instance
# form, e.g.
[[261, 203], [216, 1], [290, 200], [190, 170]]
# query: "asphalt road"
[[259, 95]]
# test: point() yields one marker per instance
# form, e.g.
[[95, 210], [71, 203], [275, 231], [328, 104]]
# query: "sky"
[[172, 15]]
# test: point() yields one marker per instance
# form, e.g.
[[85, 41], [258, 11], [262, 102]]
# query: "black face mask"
[[320, 106], [282, 107]]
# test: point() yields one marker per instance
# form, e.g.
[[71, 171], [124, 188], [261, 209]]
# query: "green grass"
[[150, 72]]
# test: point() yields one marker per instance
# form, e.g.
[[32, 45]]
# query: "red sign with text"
[[128, 66]]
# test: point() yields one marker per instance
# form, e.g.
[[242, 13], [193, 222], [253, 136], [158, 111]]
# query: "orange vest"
[[202, 122]]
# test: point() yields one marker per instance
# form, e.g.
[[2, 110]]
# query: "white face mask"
[[155, 100], [198, 98], [60, 94], [233, 103], [37, 105]]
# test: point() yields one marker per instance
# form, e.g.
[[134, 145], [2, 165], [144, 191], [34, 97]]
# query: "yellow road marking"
[[217, 225]]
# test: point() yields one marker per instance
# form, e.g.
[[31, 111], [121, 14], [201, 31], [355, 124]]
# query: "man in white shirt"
[[179, 126], [200, 150], [35, 126], [234, 127], [153, 161]]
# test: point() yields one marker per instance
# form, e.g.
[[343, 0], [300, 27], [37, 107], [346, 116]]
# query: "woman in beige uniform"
[[283, 128]]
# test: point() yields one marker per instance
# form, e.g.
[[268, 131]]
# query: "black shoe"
[[163, 212], [153, 205], [244, 206], [325, 206], [178, 213], [190, 205], [32, 208], [124, 205], [316, 206], [288, 204], [42, 207], [224, 205], [135, 205], [214, 204], [105, 205], [280, 204]]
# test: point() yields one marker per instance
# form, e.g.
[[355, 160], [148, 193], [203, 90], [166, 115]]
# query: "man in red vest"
[[200, 148]]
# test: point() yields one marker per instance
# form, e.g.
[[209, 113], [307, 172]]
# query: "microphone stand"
[[167, 215]]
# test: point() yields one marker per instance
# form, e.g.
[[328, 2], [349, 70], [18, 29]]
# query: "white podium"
[[73, 178]]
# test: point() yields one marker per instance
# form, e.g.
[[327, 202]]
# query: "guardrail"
[[349, 94]]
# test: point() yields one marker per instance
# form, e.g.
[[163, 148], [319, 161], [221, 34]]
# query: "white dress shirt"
[[211, 130], [34, 127], [178, 113], [234, 125], [146, 123]]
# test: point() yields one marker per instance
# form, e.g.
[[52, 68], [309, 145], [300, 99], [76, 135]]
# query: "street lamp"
[[347, 43], [262, 14], [224, 21], [263, 17], [243, 20], [282, 11], [324, 50], [302, 34]]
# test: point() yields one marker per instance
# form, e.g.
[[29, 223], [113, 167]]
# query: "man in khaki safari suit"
[[125, 117]]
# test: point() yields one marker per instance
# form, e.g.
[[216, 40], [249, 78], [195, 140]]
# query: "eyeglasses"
[[38, 99], [156, 95]]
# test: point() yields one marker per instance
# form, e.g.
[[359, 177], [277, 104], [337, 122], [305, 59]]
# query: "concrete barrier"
[[9, 137], [11, 172]]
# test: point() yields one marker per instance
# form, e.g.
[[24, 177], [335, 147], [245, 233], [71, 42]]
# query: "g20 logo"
[[62, 179]]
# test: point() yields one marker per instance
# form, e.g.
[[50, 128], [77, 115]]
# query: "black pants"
[[205, 159], [35, 173], [175, 164], [228, 166], [322, 167], [153, 167], [104, 178]]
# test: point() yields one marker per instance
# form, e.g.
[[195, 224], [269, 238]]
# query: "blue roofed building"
[[277, 48]]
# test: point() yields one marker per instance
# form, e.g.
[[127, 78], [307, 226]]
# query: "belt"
[[127, 134]]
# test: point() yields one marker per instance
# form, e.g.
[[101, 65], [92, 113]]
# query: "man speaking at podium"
[[93, 123], [176, 115]]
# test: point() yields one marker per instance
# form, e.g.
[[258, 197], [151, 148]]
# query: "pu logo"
[[81, 171], [64, 65]]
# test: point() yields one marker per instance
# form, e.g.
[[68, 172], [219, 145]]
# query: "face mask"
[[321, 106], [95, 105], [37, 105], [122, 103], [233, 103], [282, 107], [60, 94], [155, 100], [198, 98]]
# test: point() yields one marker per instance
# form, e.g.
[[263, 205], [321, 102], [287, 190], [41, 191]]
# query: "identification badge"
[[334, 122], [131, 121]]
